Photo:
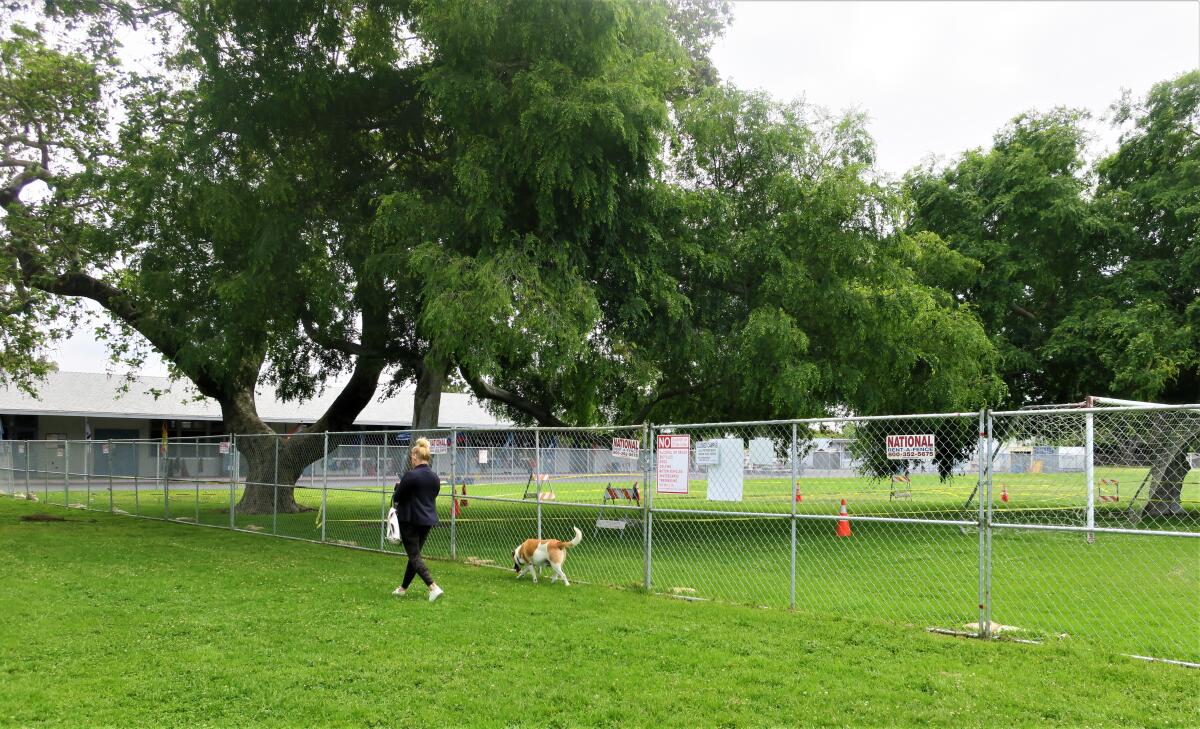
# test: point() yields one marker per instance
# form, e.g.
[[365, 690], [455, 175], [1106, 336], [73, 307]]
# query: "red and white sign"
[[625, 447], [673, 452], [104, 448], [223, 448], [438, 446], [910, 447]]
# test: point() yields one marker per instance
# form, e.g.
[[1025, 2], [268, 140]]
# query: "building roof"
[[98, 395]]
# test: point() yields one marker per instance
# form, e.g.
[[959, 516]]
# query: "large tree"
[[767, 277], [1088, 277], [297, 191]]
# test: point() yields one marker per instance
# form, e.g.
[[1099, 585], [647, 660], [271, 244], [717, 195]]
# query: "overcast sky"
[[935, 78]]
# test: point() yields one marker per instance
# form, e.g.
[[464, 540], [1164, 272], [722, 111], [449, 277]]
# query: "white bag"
[[393, 527]]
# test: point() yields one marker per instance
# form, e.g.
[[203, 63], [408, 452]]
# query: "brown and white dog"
[[533, 553]]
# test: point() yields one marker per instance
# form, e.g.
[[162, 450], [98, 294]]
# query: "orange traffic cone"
[[1004, 493], [843, 525]]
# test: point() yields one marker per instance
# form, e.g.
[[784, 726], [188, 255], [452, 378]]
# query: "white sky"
[[936, 78]]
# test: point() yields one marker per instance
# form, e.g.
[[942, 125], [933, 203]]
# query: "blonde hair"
[[420, 450]]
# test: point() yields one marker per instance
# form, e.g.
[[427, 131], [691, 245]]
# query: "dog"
[[533, 553]]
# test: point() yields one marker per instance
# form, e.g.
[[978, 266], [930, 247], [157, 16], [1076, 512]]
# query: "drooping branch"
[[370, 361], [327, 340], [1023, 312], [644, 411], [487, 391], [117, 303]]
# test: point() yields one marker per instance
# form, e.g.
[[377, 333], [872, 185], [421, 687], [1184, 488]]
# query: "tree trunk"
[[271, 472], [1166, 482], [274, 465], [427, 400]]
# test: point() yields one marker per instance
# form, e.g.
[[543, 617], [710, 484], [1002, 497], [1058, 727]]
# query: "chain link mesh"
[[1094, 515], [1054, 523]]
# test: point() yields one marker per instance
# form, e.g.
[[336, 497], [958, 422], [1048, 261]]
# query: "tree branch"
[[487, 391], [338, 344], [644, 411], [1023, 312], [78, 284]]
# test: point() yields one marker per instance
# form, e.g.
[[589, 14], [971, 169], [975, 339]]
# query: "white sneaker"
[[399, 592], [435, 593]]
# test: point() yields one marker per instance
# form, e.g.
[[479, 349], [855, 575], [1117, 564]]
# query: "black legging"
[[413, 537]]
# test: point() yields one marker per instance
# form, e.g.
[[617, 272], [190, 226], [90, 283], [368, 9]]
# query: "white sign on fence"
[[438, 446], [625, 447], [104, 448], [910, 447], [482, 456], [707, 453], [673, 454], [762, 452], [223, 448]]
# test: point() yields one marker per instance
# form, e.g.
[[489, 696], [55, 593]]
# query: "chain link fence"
[[1055, 525]]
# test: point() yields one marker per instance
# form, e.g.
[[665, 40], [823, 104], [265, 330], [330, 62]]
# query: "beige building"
[[78, 405]]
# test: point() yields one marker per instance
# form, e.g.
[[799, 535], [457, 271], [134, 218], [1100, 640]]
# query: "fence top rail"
[[831, 419], [1042, 412]]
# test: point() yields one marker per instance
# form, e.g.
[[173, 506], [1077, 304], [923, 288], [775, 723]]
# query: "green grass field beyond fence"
[[111, 621], [1126, 593]]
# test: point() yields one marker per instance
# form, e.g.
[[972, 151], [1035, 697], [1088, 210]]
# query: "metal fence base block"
[[1151, 659], [955, 633]]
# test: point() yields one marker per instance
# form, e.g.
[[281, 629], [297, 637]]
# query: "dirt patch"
[[54, 517], [42, 517]]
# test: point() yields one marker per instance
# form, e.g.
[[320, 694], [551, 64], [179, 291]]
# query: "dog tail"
[[578, 538]]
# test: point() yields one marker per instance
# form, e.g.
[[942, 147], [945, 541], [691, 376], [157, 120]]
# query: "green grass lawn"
[[1133, 594], [122, 622]]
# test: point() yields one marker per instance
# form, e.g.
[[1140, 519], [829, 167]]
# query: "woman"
[[416, 511]]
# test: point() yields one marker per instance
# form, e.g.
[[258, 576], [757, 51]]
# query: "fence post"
[[537, 476], [159, 477], [66, 473], [989, 515], [110, 476], [325, 487], [1090, 468], [196, 484], [984, 457], [275, 491], [648, 516], [28, 494], [453, 494], [89, 456], [792, 498], [382, 517], [237, 470]]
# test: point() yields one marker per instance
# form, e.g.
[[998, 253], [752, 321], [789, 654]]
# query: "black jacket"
[[415, 497]]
